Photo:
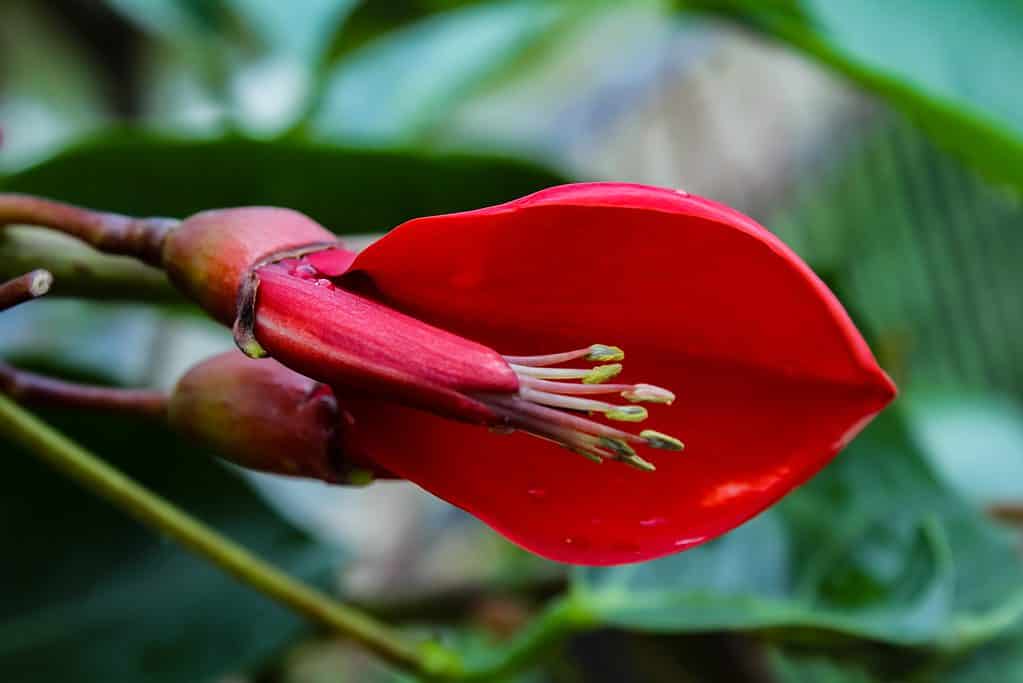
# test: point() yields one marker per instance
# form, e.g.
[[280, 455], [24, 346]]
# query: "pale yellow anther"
[[639, 463], [627, 413], [662, 441], [602, 373], [601, 353], [617, 446], [648, 393]]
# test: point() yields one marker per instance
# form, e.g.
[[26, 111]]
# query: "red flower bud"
[[208, 255], [772, 377], [260, 415]]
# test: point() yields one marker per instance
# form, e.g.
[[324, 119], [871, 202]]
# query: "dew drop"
[[652, 522]]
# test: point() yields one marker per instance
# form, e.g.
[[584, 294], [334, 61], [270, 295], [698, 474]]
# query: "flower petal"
[[771, 376]]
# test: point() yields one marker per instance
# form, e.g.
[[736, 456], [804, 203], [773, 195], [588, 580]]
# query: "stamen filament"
[[589, 375], [600, 353], [545, 415], [610, 411]]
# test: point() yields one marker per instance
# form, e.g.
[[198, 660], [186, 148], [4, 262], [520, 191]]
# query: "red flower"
[[771, 377]]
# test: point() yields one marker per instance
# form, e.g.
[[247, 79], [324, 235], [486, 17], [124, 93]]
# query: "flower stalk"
[[108, 232], [24, 288], [61, 453], [31, 389]]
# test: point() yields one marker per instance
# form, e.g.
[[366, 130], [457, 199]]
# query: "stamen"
[[595, 375], [662, 441], [603, 373], [648, 393], [550, 407], [600, 353], [611, 411], [627, 413]]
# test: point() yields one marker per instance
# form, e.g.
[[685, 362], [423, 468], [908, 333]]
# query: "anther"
[[602, 373], [662, 441], [627, 413], [648, 393]]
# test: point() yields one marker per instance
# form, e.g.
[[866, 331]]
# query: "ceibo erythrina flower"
[[455, 341]]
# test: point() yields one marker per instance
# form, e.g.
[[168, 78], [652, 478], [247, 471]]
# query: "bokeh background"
[[882, 139]]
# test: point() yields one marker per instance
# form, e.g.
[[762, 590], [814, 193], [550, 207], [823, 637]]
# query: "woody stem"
[[112, 233], [31, 389], [24, 288]]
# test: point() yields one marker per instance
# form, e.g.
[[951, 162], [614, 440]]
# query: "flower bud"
[[262, 416], [209, 254]]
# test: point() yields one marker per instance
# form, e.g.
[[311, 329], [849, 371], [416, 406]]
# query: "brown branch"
[[24, 288], [33, 390], [1007, 512], [109, 232]]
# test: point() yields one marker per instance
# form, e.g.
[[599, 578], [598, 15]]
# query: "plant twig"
[[31, 389], [1008, 512], [63, 454], [109, 232], [80, 270], [25, 288]]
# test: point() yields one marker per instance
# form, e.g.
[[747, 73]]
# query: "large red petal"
[[772, 377]]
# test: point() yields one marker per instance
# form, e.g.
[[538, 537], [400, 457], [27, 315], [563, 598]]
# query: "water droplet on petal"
[[652, 521], [537, 493]]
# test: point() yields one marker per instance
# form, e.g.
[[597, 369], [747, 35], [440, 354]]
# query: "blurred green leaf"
[[348, 189], [875, 546], [300, 28], [997, 662], [398, 85], [975, 441], [945, 63], [303, 28], [786, 668], [49, 90], [95, 597], [925, 251]]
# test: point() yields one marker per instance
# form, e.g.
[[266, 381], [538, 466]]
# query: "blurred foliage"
[[927, 253], [942, 62], [888, 545], [348, 189], [99, 598], [874, 546]]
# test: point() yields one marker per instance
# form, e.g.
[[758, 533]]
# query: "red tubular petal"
[[351, 342], [772, 379]]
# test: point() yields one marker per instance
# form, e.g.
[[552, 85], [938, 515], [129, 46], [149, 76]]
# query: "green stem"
[[563, 617], [66, 456], [80, 270]]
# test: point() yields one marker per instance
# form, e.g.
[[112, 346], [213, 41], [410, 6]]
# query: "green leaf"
[[875, 546], [399, 84], [997, 662], [96, 597], [786, 668], [948, 64], [975, 441], [924, 251], [348, 189], [302, 28]]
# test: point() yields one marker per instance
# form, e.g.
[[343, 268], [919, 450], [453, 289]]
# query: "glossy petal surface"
[[771, 376]]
